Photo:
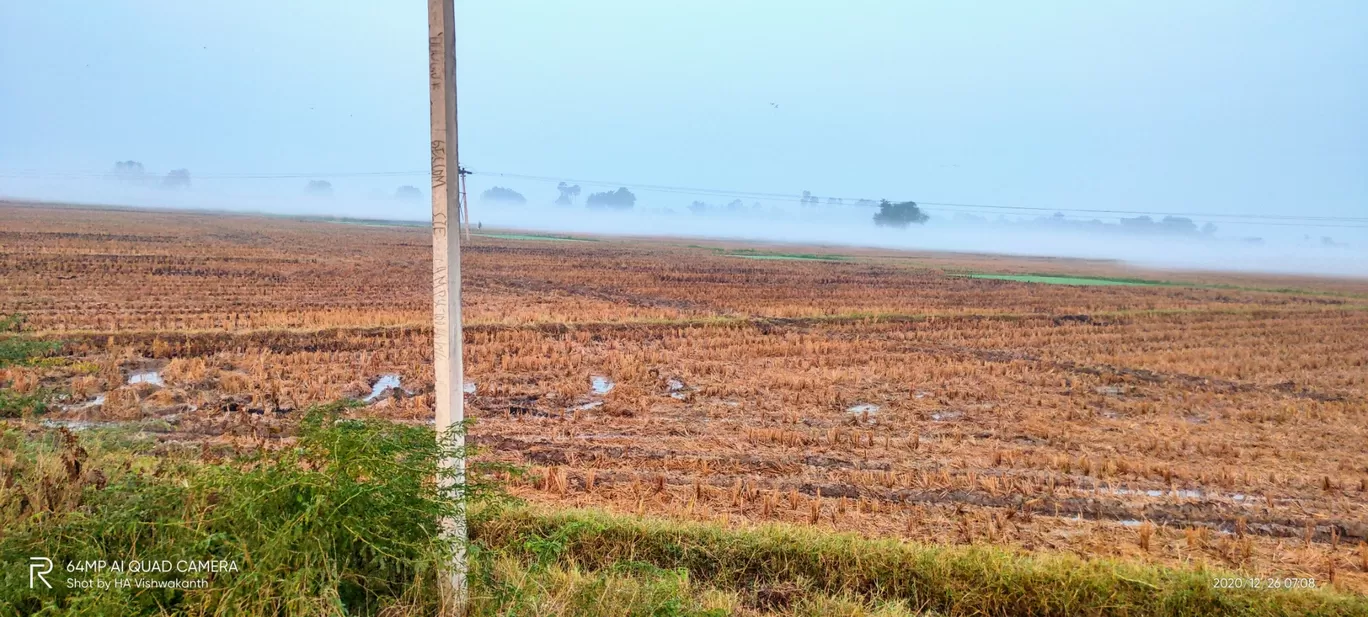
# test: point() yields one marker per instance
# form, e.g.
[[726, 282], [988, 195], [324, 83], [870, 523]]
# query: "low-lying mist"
[[1232, 247], [852, 226]]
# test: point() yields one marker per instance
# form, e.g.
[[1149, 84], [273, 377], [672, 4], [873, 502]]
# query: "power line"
[[789, 197], [222, 176]]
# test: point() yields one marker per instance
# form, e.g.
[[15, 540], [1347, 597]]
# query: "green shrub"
[[813, 564], [17, 349], [347, 520]]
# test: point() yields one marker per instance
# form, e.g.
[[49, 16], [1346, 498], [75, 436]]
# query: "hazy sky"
[[1210, 106]]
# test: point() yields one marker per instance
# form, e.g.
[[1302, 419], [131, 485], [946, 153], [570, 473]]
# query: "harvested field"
[[1215, 418], [1060, 280]]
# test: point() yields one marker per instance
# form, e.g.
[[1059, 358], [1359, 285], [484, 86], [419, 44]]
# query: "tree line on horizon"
[[133, 172], [897, 215]]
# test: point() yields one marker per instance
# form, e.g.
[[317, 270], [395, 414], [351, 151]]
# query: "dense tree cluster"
[[568, 193], [899, 214], [620, 199], [504, 195], [130, 171], [177, 179], [319, 188]]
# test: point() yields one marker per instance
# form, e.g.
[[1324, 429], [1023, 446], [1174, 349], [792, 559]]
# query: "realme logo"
[[38, 566]]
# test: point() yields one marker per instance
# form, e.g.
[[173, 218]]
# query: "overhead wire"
[[1276, 220]]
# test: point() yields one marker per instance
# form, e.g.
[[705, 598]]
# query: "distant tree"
[[501, 194], [568, 193], [408, 193], [319, 188], [808, 199], [698, 207], [899, 215], [130, 171], [1139, 223], [1170, 225], [1209, 229], [1178, 225], [735, 205], [620, 199], [177, 179]]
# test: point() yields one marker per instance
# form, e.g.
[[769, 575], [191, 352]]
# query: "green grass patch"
[[1060, 279], [15, 405], [1049, 279], [17, 349], [754, 254], [948, 580], [345, 521], [548, 237]]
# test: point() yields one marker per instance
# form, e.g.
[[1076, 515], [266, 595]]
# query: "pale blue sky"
[[1209, 106]]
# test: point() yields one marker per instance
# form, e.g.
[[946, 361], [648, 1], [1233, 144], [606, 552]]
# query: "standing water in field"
[[385, 382], [94, 402], [677, 389], [152, 377], [601, 385], [78, 425]]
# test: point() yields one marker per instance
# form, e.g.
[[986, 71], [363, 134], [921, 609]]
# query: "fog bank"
[[1279, 249]]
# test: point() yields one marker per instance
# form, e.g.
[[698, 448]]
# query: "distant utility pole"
[[446, 278]]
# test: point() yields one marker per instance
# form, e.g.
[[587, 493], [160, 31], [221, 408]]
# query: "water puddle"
[[601, 385], [94, 402], [152, 377], [1182, 492], [677, 389], [863, 413], [947, 416], [587, 406], [78, 425], [1130, 522], [468, 387], [386, 382], [863, 408], [1185, 493]]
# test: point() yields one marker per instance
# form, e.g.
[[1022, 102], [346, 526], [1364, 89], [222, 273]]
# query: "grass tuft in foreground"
[[783, 566], [18, 350], [344, 521]]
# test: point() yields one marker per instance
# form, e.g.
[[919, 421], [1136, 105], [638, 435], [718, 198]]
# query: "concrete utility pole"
[[446, 276]]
